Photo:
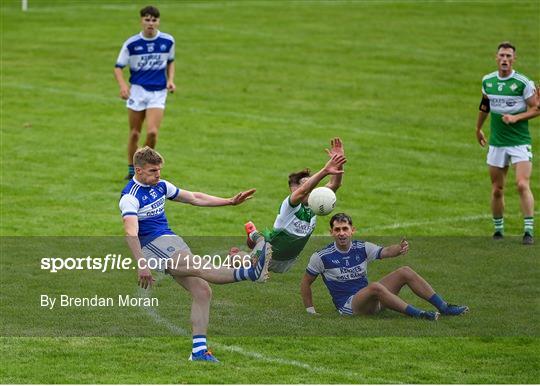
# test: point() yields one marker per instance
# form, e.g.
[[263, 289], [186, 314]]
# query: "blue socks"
[[438, 302], [413, 311]]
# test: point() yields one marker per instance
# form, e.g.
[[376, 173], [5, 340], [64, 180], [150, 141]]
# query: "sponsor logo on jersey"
[[138, 48], [513, 87], [163, 47], [489, 84], [302, 227], [144, 198], [511, 102], [170, 249]]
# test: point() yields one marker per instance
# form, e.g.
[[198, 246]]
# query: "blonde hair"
[[147, 155]]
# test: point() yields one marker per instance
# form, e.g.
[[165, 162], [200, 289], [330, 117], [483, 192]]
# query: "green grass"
[[262, 87]]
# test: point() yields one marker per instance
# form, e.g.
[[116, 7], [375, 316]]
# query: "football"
[[322, 201]]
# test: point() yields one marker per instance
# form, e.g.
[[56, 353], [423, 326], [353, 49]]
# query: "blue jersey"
[[147, 59], [343, 273], [147, 202]]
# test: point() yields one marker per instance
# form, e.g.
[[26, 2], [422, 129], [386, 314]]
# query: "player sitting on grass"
[[343, 266], [295, 221], [154, 244]]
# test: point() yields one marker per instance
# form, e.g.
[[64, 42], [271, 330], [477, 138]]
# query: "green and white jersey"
[[292, 229], [508, 96]]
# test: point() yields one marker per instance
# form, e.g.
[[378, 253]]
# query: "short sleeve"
[[123, 57], [172, 52], [129, 205], [373, 251], [172, 191], [315, 265], [529, 90]]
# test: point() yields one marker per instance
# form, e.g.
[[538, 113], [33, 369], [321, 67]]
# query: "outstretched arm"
[[305, 291], [395, 250], [203, 199], [336, 148], [333, 166]]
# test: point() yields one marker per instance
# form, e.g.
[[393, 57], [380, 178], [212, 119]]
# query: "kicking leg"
[[187, 265]]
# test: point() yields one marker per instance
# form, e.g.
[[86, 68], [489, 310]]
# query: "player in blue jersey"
[[150, 57], [343, 266], [155, 245]]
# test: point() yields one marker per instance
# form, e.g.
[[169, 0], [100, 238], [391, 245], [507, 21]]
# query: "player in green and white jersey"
[[295, 221], [506, 91]]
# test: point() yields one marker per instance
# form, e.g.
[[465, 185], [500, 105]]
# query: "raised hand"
[[336, 147], [335, 164]]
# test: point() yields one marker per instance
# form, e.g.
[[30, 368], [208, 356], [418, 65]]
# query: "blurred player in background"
[[154, 245], [343, 266], [295, 221], [506, 91], [150, 57]]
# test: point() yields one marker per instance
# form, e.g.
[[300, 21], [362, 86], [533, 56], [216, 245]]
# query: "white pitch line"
[[158, 319], [435, 222]]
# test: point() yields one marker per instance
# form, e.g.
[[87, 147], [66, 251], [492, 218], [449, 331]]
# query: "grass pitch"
[[262, 87]]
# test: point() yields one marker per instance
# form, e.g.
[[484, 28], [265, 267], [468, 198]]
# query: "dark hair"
[[294, 178], [150, 10], [506, 45], [340, 217]]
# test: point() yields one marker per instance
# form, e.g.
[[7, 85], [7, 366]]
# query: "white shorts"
[[159, 250], [502, 156], [346, 309], [141, 99]]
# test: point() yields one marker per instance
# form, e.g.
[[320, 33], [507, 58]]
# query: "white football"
[[322, 201]]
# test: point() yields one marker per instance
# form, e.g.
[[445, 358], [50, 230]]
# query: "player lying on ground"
[[343, 266], [295, 221], [154, 244]]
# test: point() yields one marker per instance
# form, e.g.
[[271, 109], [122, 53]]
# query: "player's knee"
[[522, 185], [202, 292], [406, 271], [497, 190], [134, 135], [376, 288]]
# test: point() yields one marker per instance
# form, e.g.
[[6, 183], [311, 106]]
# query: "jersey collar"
[[139, 183], [149, 39], [343, 252], [508, 77]]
